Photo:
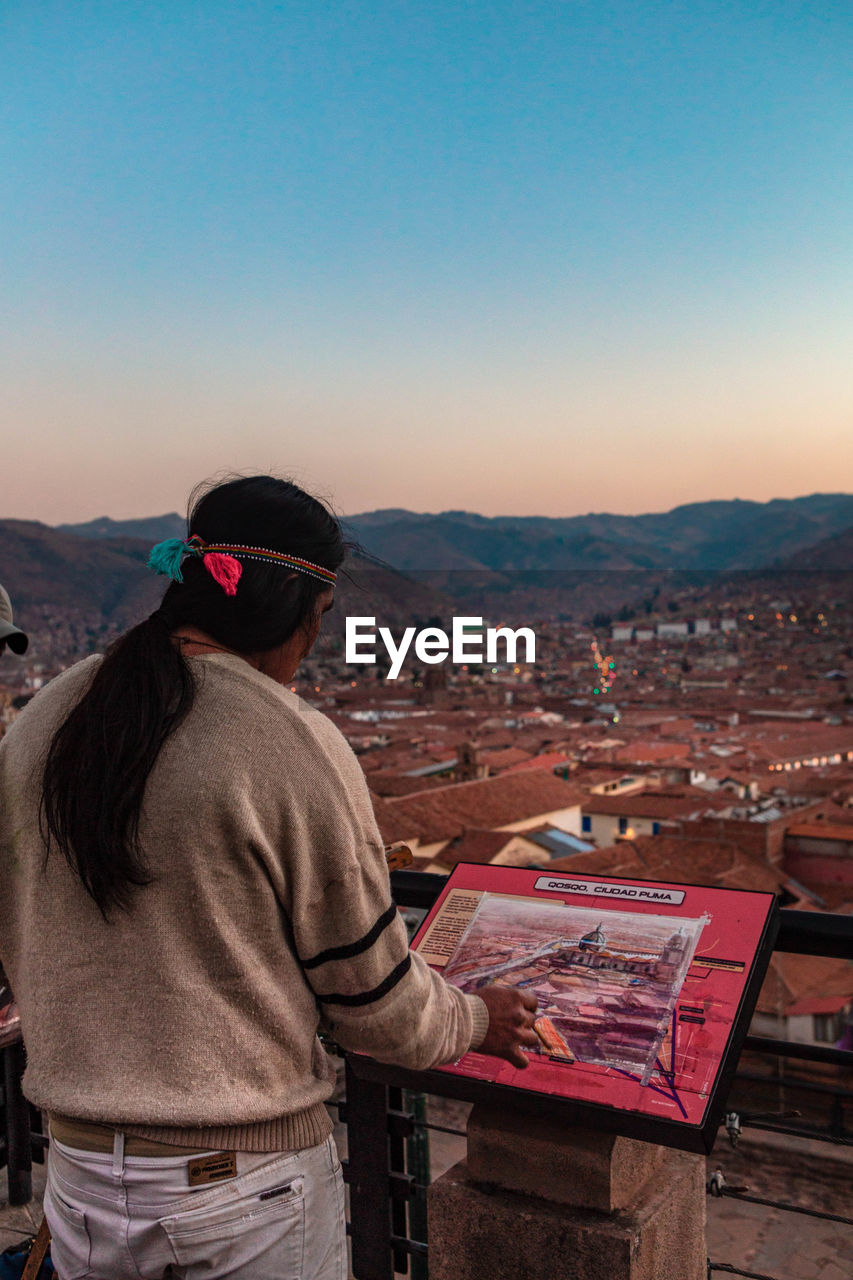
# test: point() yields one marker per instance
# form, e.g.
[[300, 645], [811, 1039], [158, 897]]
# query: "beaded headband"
[[222, 560]]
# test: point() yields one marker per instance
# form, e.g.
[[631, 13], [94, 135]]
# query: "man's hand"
[[511, 1017]]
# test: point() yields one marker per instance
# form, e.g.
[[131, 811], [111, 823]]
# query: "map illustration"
[[607, 981]]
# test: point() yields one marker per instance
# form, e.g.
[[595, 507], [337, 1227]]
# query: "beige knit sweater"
[[193, 1018]]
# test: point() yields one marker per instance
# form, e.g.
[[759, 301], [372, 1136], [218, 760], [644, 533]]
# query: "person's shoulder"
[[51, 704], [67, 686], [329, 737], [80, 672], [227, 679], [257, 698], [264, 740]]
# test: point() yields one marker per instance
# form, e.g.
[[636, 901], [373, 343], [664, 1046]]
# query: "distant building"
[[619, 786], [819, 853], [606, 819], [469, 766]]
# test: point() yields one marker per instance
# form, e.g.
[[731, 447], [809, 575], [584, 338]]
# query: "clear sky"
[[514, 257]]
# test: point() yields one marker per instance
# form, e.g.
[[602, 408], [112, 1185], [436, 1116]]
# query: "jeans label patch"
[[214, 1168]]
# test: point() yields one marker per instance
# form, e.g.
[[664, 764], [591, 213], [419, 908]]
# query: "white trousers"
[[114, 1217]]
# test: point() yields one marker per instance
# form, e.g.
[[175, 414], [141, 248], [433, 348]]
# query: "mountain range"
[[92, 577], [724, 535], [99, 585]]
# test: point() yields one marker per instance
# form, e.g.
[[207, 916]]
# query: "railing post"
[[418, 1164], [399, 1192], [367, 1177], [19, 1153], [836, 1117]]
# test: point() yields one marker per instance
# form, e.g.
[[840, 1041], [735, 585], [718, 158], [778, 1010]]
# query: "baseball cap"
[[16, 639]]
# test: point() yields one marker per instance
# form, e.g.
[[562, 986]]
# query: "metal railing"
[[383, 1186]]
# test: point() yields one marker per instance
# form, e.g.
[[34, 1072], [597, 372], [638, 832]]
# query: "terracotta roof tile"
[[503, 759], [387, 783], [794, 978], [547, 760], [655, 804], [645, 752], [818, 1004], [445, 812], [679, 860], [388, 821], [821, 831], [475, 845]]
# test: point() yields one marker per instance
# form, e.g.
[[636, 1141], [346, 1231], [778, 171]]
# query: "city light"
[[604, 665]]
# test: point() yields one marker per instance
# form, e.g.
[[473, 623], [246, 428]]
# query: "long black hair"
[[101, 756]]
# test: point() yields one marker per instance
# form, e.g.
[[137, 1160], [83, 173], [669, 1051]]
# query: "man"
[[10, 635]]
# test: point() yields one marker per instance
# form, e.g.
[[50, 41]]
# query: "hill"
[[830, 555], [725, 535], [84, 583], [150, 528], [74, 593], [102, 581], [715, 536]]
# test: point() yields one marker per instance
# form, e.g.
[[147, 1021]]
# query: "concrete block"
[[569, 1164], [478, 1231]]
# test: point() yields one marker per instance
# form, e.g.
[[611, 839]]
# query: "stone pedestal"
[[538, 1200]]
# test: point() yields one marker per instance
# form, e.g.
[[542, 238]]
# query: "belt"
[[86, 1135]]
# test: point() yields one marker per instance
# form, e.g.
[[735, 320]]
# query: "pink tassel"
[[225, 570]]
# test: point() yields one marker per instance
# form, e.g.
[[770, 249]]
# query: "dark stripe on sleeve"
[[367, 997], [353, 948]]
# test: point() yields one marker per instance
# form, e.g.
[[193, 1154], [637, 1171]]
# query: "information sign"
[[645, 989]]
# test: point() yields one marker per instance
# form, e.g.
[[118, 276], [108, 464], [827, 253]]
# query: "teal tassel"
[[166, 558]]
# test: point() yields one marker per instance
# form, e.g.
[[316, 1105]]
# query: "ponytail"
[[100, 759]]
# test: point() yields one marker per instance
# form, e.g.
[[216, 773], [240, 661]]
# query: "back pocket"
[[70, 1245], [265, 1229]]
